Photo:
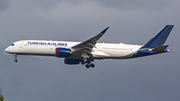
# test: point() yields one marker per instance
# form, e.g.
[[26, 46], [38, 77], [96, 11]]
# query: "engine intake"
[[63, 52]]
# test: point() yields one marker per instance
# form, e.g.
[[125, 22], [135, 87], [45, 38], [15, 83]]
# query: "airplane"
[[88, 51]]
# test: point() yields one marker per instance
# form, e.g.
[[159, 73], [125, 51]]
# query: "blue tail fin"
[[156, 44], [160, 38]]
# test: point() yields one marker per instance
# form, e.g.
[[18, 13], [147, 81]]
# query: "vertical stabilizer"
[[156, 44], [160, 38]]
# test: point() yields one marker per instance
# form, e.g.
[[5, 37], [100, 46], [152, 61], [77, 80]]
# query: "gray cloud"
[[4, 4], [0, 91], [139, 4]]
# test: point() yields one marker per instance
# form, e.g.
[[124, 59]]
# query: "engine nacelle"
[[70, 61], [63, 52]]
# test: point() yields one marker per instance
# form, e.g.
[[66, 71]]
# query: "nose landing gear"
[[15, 60]]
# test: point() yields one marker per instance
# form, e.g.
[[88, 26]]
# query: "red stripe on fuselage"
[[56, 52], [64, 60]]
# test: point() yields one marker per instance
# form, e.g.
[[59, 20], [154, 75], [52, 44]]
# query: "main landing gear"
[[15, 60], [88, 63]]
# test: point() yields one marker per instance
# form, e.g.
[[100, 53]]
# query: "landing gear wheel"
[[92, 65], [15, 60], [82, 62], [88, 62], [87, 66]]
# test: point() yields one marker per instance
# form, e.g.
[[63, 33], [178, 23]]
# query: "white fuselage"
[[47, 48]]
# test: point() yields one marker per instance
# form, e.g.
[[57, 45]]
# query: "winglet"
[[105, 30], [91, 41]]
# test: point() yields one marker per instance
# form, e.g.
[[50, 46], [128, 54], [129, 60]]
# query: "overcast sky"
[[152, 78]]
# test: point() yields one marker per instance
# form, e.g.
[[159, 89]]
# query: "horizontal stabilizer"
[[160, 48], [160, 38]]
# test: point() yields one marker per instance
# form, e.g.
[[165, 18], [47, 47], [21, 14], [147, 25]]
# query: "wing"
[[84, 49]]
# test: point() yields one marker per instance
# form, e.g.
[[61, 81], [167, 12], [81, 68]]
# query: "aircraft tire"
[[87, 66], [82, 62], [15, 60], [92, 65]]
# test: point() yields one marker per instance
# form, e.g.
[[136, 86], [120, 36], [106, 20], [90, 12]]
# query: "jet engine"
[[70, 61], [63, 52]]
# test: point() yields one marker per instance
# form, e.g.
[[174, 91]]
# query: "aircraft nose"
[[7, 49]]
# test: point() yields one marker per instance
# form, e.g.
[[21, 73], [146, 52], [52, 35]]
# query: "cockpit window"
[[12, 44]]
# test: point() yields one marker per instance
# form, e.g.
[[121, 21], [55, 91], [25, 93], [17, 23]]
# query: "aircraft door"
[[21, 45]]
